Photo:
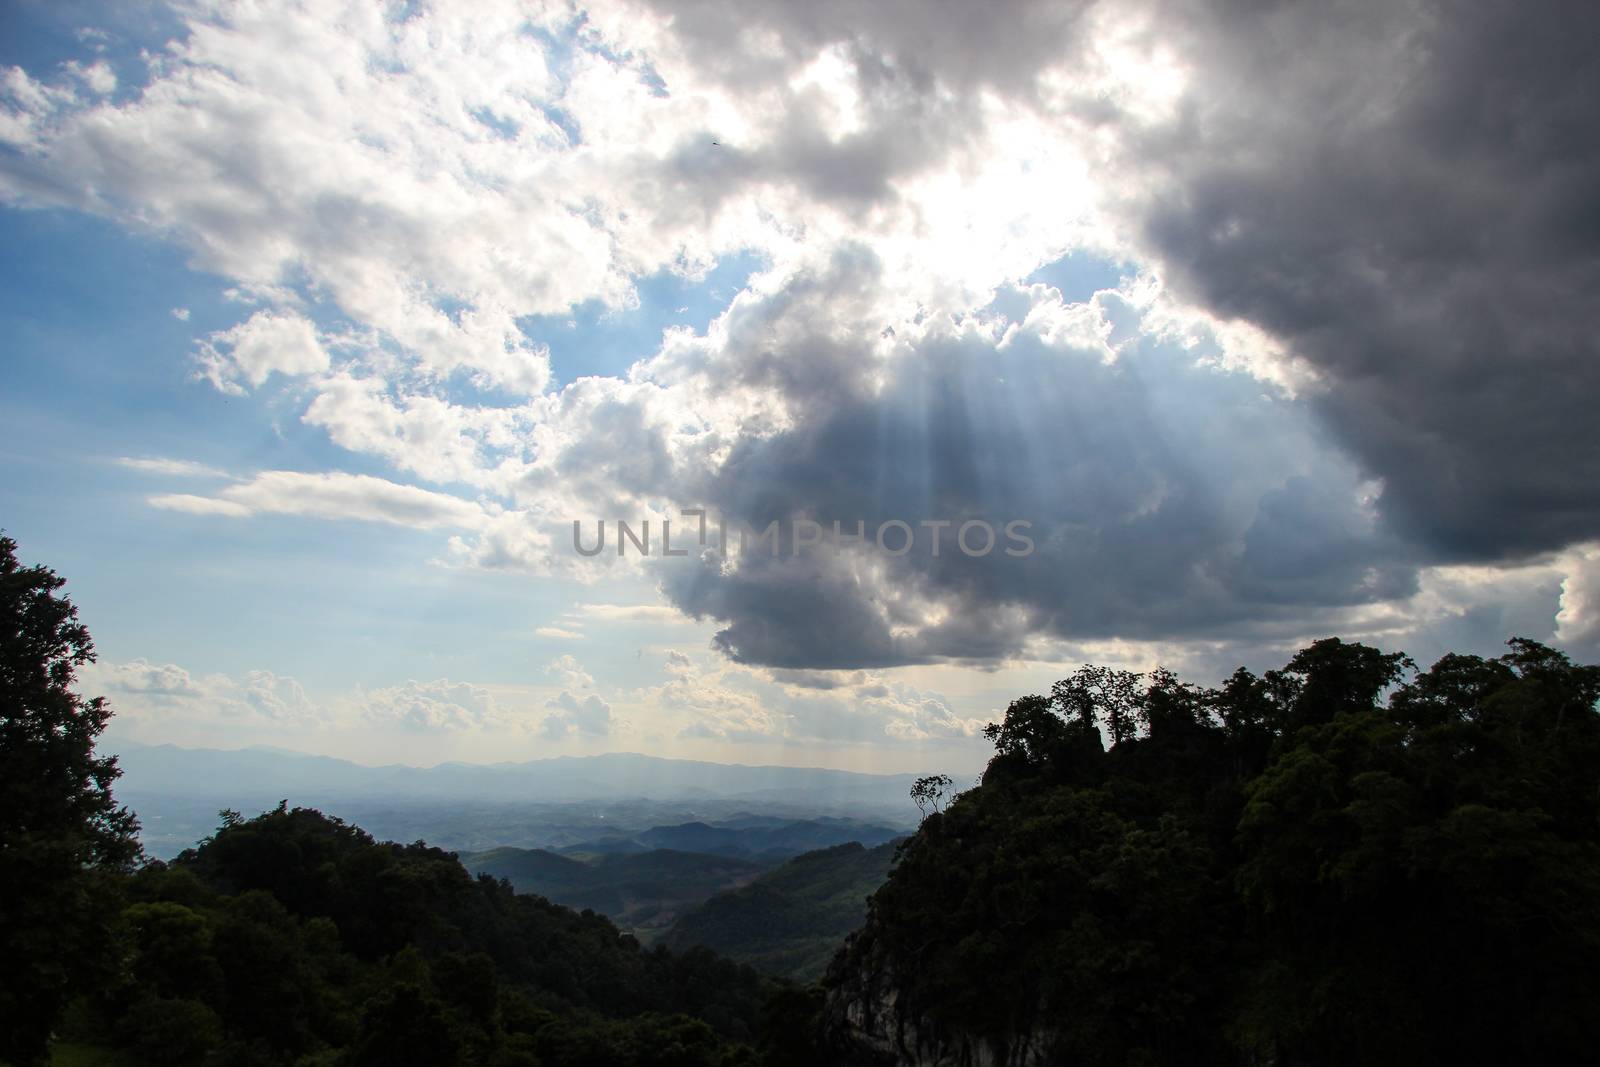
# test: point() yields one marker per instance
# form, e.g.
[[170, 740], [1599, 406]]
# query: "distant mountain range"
[[189, 771], [599, 803]]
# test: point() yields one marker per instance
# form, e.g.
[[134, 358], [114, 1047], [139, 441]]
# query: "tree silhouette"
[[61, 833], [930, 792]]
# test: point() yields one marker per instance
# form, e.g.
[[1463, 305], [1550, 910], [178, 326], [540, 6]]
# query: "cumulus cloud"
[[144, 692], [1578, 620], [1165, 493], [266, 343], [728, 702], [425, 707], [586, 717], [569, 673]]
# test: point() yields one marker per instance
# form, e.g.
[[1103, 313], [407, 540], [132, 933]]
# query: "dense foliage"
[[791, 920], [1343, 861], [1329, 864], [63, 840], [292, 938]]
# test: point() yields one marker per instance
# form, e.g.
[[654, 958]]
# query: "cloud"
[[1166, 494], [731, 703], [175, 468], [1578, 619], [660, 614], [426, 707], [587, 717], [332, 495], [143, 692], [267, 343], [569, 673], [200, 505], [558, 633], [1405, 203], [1351, 348]]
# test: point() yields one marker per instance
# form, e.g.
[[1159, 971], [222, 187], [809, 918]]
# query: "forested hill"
[[791, 920], [293, 938], [1286, 869], [642, 892]]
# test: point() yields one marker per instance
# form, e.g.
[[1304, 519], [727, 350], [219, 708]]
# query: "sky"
[[325, 322]]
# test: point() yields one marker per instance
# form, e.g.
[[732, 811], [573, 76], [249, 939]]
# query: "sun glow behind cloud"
[[406, 207]]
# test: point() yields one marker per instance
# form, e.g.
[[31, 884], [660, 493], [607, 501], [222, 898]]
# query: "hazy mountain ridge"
[[183, 771], [560, 804]]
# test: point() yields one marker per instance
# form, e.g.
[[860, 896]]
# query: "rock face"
[[868, 1023]]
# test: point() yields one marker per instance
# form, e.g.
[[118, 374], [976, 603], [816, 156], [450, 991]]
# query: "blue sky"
[[322, 327]]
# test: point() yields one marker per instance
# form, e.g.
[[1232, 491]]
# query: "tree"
[[930, 792], [1333, 863], [62, 835]]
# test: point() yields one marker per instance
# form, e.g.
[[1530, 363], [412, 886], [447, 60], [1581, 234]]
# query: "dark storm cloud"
[[1401, 193], [1165, 498], [1406, 195]]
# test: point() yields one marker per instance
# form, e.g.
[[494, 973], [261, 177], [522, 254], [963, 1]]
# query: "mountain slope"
[[294, 938], [792, 919], [1325, 865], [641, 892]]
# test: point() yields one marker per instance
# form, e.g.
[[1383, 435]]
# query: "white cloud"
[[175, 468], [267, 342], [144, 693], [569, 673], [1578, 619], [440, 705], [332, 495], [200, 505], [558, 633], [97, 77], [587, 717], [651, 613], [732, 703]]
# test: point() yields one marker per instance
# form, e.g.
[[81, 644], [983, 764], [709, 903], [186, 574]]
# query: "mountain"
[[758, 837], [188, 772], [598, 803], [1342, 861], [645, 881], [643, 892], [294, 938], [791, 920]]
